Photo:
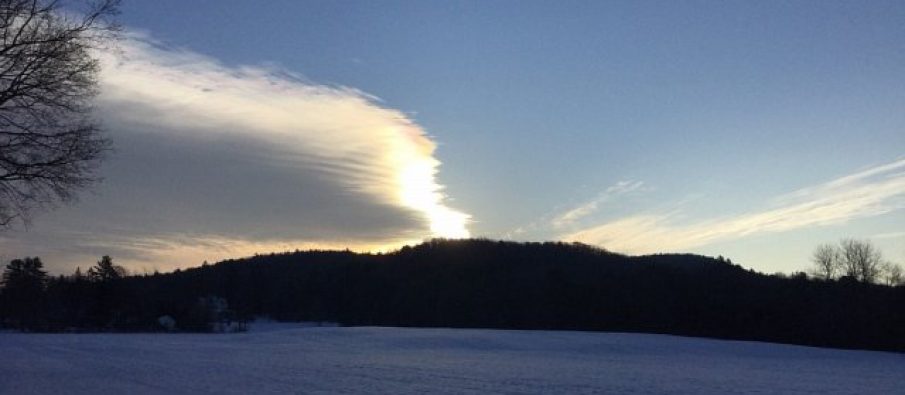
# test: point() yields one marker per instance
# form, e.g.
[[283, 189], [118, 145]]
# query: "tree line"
[[859, 260], [31, 300], [474, 284]]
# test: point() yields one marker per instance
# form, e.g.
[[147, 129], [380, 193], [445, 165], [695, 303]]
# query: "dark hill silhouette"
[[495, 284]]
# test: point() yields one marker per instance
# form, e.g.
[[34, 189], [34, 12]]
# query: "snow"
[[287, 358]]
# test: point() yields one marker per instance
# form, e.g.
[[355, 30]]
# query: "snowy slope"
[[288, 359]]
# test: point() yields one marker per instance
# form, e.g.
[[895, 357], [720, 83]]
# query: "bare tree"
[[861, 259], [827, 261], [49, 142], [892, 273]]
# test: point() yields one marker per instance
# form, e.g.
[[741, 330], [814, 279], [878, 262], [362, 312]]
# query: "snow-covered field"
[[310, 360]]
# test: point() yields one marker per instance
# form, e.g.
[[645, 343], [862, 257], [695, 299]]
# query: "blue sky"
[[663, 118]]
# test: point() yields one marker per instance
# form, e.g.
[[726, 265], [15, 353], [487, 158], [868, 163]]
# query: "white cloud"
[[338, 131], [590, 207], [254, 157], [874, 191]]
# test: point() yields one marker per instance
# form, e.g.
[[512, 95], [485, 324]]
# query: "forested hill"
[[490, 284]]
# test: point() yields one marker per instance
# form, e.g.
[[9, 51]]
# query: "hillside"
[[506, 285]]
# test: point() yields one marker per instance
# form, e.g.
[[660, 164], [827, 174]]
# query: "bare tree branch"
[[49, 143]]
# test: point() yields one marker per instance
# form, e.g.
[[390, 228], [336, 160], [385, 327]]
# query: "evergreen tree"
[[78, 276], [24, 281], [105, 270]]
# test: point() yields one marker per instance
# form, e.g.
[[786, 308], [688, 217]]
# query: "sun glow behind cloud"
[[213, 161], [341, 132]]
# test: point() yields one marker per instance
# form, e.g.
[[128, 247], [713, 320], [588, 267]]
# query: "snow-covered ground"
[[279, 358]]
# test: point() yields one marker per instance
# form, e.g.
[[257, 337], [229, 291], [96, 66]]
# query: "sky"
[[752, 130]]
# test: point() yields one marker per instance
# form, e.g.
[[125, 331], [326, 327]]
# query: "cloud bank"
[[874, 191], [209, 157]]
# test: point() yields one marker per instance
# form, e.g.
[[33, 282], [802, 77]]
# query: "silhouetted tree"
[[105, 270], [49, 140], [108, 294], [77, 275], [860, 259], [23, 291], [827, 262], [892, 273]]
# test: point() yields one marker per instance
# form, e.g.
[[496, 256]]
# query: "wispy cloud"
[[252, 155], [889, 235], [571, 218], [874, 191], [585, 209]]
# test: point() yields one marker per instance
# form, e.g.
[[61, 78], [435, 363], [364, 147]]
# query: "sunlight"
[[338, 137], [419, 191]]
